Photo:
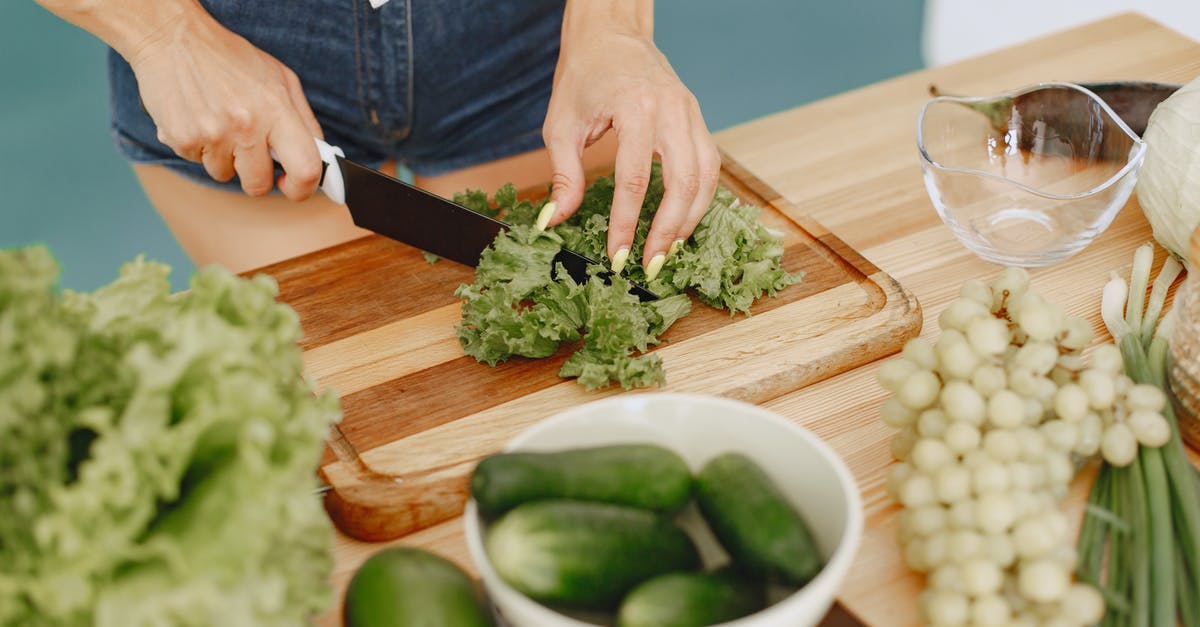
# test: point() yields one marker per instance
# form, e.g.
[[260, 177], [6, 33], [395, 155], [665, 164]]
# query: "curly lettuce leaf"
[[518, 306], [157, 452]]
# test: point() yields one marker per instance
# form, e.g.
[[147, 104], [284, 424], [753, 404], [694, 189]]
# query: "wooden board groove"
[[379, 329]]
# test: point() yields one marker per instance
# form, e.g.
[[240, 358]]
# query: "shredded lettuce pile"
[[520, 305], [157, 452]]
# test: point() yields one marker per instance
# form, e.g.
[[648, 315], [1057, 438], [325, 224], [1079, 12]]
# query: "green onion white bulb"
[[992, 418]]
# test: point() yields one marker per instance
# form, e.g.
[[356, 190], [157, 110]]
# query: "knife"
[[403, 212]]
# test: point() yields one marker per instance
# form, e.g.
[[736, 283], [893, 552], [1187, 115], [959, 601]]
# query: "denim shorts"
[[436, 85]]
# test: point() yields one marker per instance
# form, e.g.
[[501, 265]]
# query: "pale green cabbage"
[[157, 452], [1168, 187]]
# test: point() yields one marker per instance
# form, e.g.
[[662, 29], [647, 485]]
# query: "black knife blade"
[[403, 212]]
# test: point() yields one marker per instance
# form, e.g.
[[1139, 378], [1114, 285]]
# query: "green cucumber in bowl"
[[411, 586], [582, 554], [690, 600], [638, 475], [754, 521]]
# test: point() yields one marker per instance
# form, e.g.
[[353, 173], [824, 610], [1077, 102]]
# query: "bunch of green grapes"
[[992, 418]]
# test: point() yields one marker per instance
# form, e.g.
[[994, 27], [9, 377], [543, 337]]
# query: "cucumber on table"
[[582, 554], [755, 523], [690, 600], [639, 475], [409, 586]]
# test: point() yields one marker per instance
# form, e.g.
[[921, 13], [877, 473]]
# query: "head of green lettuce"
[[157, 452]]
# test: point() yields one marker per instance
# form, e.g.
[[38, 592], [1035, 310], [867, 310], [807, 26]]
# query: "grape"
[[1107, 358], [990, 476], [897, 475], [1002, 445], [1038, 357], [957, 359], [981, 576], [994, 512], [962, 437], [1099, 387], [932, 423], [960, 401], [919, 389], [1060, 434], [962, 514], [930, 454], [1091, 430], [892, 373], [1038, 319], [1078, 334], [990, 611], [959, 313], [927, 519], [952, 483], [1071, 402], [988, 379], [937, 550], [1005, 410], [987, 335], [1031, 538], [896, 415], [998, 547], [965, 544], [920, 353], [946, 577], [1043, 581], [1009, 287], [945, 608], [902, 443], [917, 491], [1032, 442], [976, 290]]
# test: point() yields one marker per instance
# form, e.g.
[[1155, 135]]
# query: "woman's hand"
[[220, 101], [215, 98], [610, 75]]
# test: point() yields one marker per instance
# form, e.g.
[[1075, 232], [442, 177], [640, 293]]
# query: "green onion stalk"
[[1140, 537]]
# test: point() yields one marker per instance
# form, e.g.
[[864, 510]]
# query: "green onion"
[[1148, 565]]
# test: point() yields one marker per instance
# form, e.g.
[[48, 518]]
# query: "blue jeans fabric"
[[436, 85]]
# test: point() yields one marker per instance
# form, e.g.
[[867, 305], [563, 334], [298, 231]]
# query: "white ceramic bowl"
[[700, 427]]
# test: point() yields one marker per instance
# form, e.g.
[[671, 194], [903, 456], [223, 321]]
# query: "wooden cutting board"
[[418, 414]]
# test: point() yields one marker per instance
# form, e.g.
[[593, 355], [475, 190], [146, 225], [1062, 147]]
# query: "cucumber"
[[639, 475], [690, 600], [410, 586], [755, 523], [585, 555]]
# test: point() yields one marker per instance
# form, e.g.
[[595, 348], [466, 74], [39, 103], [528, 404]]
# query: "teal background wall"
[[62, 182]]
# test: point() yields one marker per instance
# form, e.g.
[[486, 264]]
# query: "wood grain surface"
[[850, 163]]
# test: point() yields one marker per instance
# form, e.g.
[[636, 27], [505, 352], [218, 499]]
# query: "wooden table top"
[[850, 161]]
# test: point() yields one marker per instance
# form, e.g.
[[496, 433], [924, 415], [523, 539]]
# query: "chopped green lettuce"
[[520, 305], [157, 452]]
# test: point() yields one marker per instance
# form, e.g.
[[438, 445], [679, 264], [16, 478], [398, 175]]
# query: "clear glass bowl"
[[1028, 177]]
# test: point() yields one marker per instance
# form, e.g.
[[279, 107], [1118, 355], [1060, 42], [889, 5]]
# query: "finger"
[[681, 182], [565, 147], [709, 164], [300, 103], [302, 167], [218, 162], [254, 168], [632, 177]]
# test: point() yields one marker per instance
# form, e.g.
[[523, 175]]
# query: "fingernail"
[[675, 246], [544, 216], [655, 266], [619, 259]]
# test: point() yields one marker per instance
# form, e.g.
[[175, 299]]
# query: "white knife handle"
[[331, 180]]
